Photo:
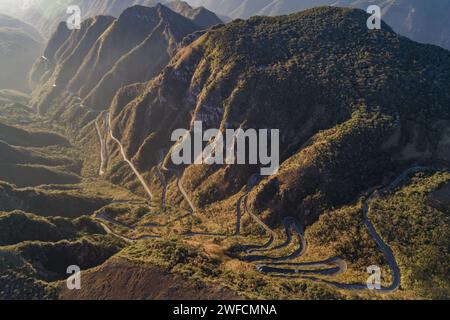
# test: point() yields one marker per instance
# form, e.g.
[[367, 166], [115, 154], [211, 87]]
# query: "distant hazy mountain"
[[11, 7], [423, 21], [17, 24], [247, 8], [47, 14], [199, 15], [20, 45]]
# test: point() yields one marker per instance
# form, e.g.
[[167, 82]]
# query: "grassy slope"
[[52, 224], [338, 232], [204, 263], [419, 234], [29, 270]]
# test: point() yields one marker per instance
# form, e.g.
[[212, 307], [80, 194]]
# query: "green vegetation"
[[354, 107], [31, 270], [34, 157], [35, 175], [127, 214], [194, 263], [21, 285], [17, 226], [20, 137], [52, 259], [70, 201], [343, 234], [418, 233]]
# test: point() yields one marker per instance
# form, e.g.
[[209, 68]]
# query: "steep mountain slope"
[[422, 21], [66, 50], [20, 45], [29, 268], [351, 105], [146, 60], [421, 246], [355, 108], [106, 54]]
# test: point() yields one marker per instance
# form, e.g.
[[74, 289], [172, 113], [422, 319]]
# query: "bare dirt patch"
[[122, 280]]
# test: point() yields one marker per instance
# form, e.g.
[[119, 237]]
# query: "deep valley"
[[87, 177]]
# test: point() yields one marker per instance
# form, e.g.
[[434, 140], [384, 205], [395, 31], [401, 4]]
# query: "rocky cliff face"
[[352, 106]]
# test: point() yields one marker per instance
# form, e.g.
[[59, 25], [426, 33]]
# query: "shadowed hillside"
[[86, 67], [363, 118], [339, 105], [45, 15]]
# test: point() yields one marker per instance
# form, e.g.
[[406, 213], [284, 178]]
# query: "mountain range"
[[363, 117], [108, 53], [422, 21], [355, 102], [419, 20], [45, 15], [355, 106]]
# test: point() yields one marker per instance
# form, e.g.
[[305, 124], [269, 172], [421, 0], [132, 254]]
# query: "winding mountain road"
[[108, 230], [130, 164], [276, 266], [180, 186], [289, 223], [330, 267], [340, 266], [102, 150], [161, 177], [252, 182]]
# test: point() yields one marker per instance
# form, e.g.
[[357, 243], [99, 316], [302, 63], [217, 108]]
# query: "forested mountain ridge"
[[355, 109], [363, 117], [422, 21], [268, 73]]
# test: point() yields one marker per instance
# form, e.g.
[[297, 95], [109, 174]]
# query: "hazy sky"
[[11, 6]]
